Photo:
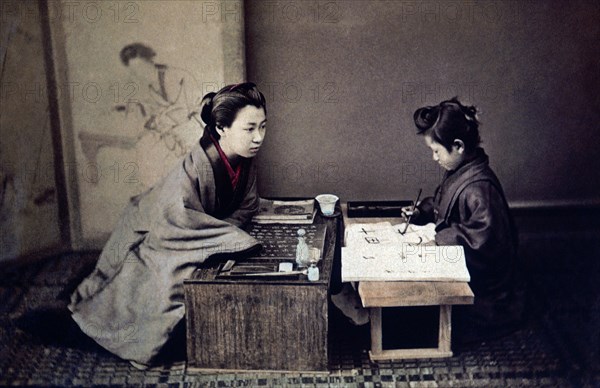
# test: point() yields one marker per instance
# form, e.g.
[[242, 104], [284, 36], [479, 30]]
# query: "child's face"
[[448, 160]]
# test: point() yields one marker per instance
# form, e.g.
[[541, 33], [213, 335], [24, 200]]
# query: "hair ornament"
[[471, 113]]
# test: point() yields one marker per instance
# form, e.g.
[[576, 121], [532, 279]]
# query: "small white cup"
[[327, 203]]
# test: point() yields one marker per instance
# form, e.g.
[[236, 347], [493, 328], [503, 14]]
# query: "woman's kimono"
[[469, 209], [134, 298]]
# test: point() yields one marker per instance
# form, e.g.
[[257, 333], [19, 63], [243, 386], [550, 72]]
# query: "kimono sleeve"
[[482, 226], [180, 222]]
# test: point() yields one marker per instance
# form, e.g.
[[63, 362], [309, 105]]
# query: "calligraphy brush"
[[412, 211]]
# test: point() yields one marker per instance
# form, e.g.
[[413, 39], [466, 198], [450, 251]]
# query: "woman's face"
[[245, 135], [448, 160]]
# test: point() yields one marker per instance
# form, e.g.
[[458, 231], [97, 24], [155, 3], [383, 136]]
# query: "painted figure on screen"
[[165, 97]]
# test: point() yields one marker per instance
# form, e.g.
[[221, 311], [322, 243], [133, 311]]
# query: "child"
[[469, 209]]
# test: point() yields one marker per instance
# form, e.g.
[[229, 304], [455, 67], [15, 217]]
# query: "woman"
[[133, 299]]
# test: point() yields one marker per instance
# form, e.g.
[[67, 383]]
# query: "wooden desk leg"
[[376, 331], [443, 350], [445, 335]]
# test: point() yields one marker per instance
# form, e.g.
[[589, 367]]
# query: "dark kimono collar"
[[228, 197], [474, 170]]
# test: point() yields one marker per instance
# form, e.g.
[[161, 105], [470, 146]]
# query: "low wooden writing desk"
[[376, 295], [255, 324]]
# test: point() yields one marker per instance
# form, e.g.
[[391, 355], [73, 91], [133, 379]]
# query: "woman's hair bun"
[[207, 107], [425, 117]]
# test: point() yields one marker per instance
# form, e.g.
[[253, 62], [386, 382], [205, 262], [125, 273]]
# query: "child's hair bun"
[[448, 121], [425, 117], [207, 107]]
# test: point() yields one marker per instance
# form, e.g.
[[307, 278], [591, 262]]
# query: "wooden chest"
[[260, 324]]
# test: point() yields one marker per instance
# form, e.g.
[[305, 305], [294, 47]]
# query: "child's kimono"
[[469, 209], [134, 298]]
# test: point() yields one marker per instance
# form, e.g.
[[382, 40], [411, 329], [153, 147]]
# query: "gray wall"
[[343, 78]]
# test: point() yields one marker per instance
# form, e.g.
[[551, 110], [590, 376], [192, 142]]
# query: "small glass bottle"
[[302, 258], [313, 272]]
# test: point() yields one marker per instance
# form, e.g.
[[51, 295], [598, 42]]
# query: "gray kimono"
[[133, 299]]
